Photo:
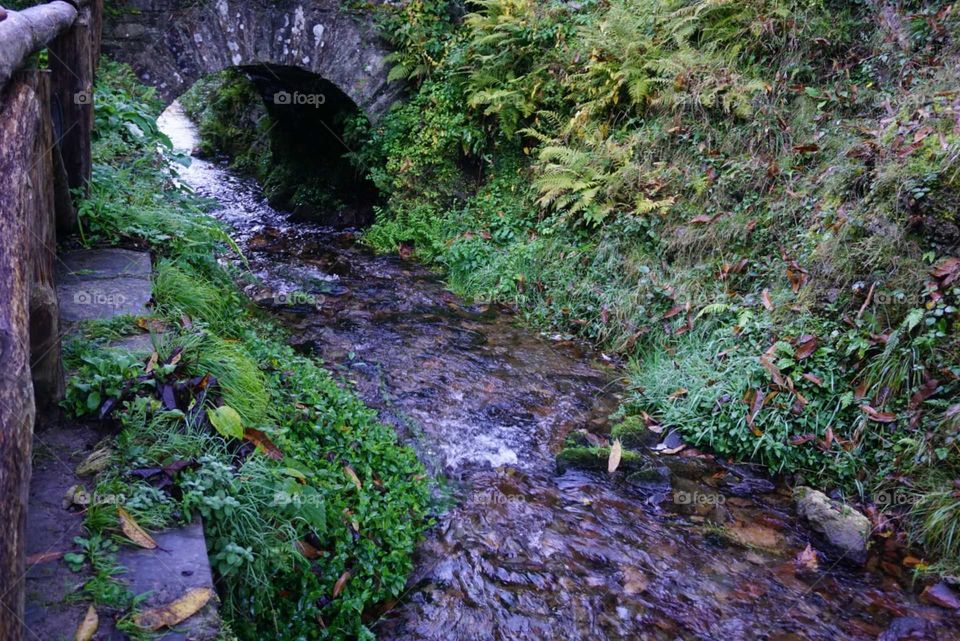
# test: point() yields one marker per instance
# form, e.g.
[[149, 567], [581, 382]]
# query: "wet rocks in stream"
[[845, 531]]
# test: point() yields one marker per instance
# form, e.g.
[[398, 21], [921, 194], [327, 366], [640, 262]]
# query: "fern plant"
[[508, 45], [591, 180]]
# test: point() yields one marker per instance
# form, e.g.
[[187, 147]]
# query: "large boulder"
[[844, 529]]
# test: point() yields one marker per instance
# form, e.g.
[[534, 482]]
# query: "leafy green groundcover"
[[311, 507]]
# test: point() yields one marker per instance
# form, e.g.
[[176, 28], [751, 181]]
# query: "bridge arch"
[[173, 43]]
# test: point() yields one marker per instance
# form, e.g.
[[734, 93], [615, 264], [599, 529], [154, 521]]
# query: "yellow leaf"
[[616, 451], [88, 627], [95, 463], [133, 530], [353, 476], [173, 613]]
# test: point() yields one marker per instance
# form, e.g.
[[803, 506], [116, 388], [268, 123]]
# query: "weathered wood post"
[[72, 59], [30, 368], [18, 126]]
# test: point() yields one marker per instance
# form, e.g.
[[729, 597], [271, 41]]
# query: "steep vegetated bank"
[[311, 508], [755, 202]]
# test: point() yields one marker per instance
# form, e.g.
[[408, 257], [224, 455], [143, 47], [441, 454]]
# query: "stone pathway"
[[96, 285]]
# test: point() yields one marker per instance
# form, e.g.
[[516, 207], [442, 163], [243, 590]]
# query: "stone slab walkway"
[[101, 284]]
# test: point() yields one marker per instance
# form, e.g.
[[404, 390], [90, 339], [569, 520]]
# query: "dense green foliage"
[[754, 201], [304, 543]]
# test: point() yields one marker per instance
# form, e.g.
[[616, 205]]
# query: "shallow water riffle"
[[523, 549]]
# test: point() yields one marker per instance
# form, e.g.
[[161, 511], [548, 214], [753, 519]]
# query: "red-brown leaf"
[[341, 583], [878, 417], [805, 346], [797, 276], [947, 271], [754, 399], [673, 311], [262, 441], [765, 298], [773, 370]]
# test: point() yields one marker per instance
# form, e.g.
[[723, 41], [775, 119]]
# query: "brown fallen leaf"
[[263, 443], [88, 627], [174, 613], [673, 311], [877, 416], [307, 550], [677, 393], [775, 374], [806, 561], [947, 271], [616, 452], [797, 276], [928, 389], [805, 346], [652, 424], [813, 378], [702, 219], [153, 325], [806, 149], [133, 531], [765, 298], [352, 475], [754, 399], [152, 362], [341, 583]]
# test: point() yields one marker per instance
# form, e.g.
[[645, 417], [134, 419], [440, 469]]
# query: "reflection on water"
[[528, 552]]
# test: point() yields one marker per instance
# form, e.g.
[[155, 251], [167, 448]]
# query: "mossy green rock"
[[844, 528], [633, 432], [596, 458]]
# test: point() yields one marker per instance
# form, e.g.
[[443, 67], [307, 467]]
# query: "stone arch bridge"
[[173, 43]]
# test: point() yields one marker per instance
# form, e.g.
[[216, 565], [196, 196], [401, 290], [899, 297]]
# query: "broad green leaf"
[[226, 421]]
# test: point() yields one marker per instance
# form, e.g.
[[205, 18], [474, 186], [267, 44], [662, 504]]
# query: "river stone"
[[908, 629], [846, 530], [942, 595]]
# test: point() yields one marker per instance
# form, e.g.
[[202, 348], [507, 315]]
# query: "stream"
[[525, 551]]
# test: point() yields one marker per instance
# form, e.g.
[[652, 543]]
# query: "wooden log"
[[45, 363], [66, 213], [19, 119], [25, 32], [71, 60]]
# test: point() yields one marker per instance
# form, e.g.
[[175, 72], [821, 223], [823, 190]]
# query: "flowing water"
[[526, 551]]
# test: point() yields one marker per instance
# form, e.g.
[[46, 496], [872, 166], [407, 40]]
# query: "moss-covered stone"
[[596, 458], [634, 433]]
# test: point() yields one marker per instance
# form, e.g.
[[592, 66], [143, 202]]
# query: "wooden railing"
[[46, 121]]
